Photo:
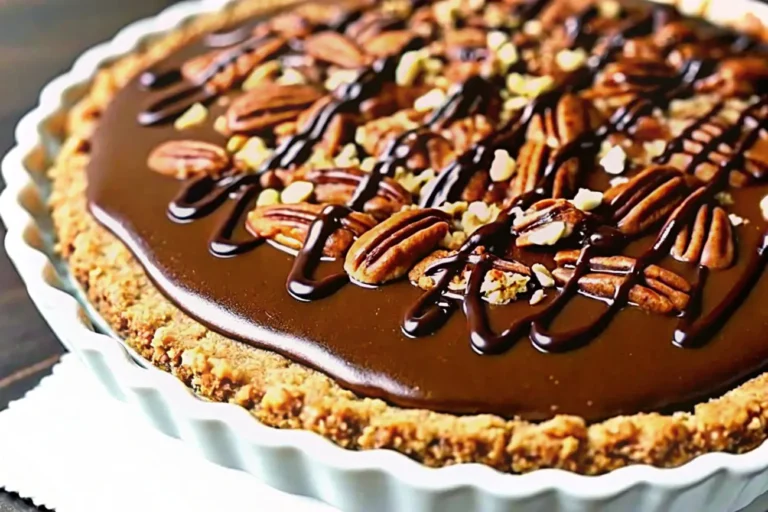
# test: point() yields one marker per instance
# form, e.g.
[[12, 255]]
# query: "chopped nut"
[[291, 77], [571, 60], [194, 116], [430, 100], [764, 207], [618, 180], [533, 28], [368, 164], [495, 39], [446, 12], [587, 200], [253, 153], [610, 9], [738, 221], [529, 86], [409, 67], [548, 235], [478, 214], [268, 197], [615, 161], [503, 166], [340, 77], [433, 66], [516, 103], [347, 157], [543, 275], [533, 227], [501, 287], [236, 143], [475, 5], [507, 55], [480, 210], [220, 125], [455, 209], [537, 297], [494, 16], [297, 192], [260, 74], [654, 148], [724, 198], [413, 183], [454, 240]]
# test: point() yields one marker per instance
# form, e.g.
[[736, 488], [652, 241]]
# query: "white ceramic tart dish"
[[297, 461]]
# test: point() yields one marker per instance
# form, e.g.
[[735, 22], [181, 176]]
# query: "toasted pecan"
[[185, 158], [388, 251], [288, 225]]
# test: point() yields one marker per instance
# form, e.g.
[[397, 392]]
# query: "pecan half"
[[547, 133], [535, 226], [702, 149], [707, 239], [425, 149], [337, 49], [562, 124], [646, 199], [337, 186], [659, 290], [389, 250], [182, 159], [269, 105], [532, 161], [467, 131], [338, 131], [737, 76], [288, 225], [623, 81], [208, 68], [604, 286], [371, 24], [388, 43], [392, 98], [623, 264]]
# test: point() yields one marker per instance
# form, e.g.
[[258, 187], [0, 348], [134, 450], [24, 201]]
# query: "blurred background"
[[40, 39]]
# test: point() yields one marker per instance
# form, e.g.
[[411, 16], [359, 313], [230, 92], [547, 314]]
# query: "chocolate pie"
[[529, 234]]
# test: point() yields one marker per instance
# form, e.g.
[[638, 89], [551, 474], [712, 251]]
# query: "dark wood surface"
[[39, 39]]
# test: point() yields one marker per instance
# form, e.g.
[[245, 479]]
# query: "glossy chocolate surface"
[[593, 358]]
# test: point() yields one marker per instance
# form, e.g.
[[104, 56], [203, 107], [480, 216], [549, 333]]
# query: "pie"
[[528, 234]]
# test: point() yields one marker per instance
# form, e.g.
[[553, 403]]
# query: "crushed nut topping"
[[479, 131], [195, 116]]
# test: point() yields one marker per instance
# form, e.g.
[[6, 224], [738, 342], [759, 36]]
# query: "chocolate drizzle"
[[202, 89], [221, 203]]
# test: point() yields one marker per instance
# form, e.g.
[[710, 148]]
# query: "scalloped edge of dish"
[[303, 462]]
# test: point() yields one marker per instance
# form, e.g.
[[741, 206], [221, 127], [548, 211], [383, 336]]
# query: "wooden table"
[[38, 40]]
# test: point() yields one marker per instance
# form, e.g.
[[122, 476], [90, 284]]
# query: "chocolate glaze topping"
[[591, 351]]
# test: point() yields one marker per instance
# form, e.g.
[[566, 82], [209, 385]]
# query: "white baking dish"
[[298, 461]]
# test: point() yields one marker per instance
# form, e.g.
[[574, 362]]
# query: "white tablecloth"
[[69, 446]]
